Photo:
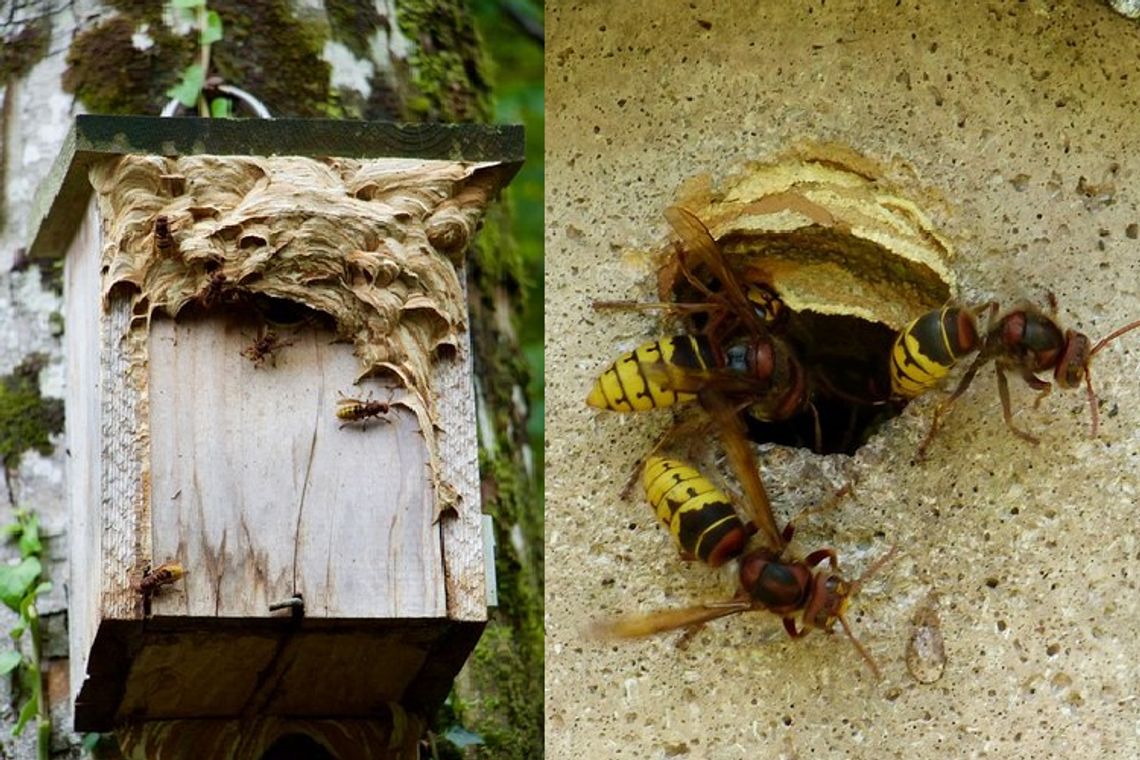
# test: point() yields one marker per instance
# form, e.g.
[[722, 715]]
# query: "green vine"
[[190, 91], [20, 585]]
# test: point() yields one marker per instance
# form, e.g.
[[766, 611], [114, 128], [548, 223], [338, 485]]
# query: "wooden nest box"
[[229, 285]]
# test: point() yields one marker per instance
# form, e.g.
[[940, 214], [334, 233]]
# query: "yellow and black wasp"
[[1026, 340], [163, 575], [736, 354], [352, 410], [928, 348], [154, 580], [706, 526], [699, 515]]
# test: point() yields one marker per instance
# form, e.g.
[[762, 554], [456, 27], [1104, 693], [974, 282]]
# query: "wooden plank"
[[347, 673], [195, 674], [382, 737], [443, 662], [261, 494], [198, 668], [83, 434]]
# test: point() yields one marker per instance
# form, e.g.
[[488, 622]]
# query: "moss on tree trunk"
[[500, 693]]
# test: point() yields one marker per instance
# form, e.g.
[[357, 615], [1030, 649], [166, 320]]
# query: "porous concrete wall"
[[1022, 116]]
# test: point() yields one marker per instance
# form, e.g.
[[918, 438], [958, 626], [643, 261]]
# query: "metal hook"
[[228, 89]]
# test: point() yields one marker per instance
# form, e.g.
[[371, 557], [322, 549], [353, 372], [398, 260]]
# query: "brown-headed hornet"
[[211, 292], [753, 367], [163, 575], [1028, 341], [264, 347], [153, 580], [353, 410], [767, 580], [164, 243]]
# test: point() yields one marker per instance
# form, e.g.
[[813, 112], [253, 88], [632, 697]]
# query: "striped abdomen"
[[624, 387], [354, 409], [927, 349], [697, 513], [164, 244]]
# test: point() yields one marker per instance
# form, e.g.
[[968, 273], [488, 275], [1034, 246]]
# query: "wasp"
[[353, 410], [212, 291], [1029, 341], [672, 370], [767, 581], [164, 243], [765, 302], [927, 349], [700, 516], [264, 347], [754, 368], [163, 575], [153, 580]]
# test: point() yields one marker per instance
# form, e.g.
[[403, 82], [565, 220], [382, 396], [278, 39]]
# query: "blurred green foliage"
[[516, 58]]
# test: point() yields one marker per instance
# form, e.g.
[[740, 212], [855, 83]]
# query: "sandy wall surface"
[[1019, 124]]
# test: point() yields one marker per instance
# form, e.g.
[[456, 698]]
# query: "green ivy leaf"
[[221, 108], [188, 3], [190, 87], [11, 530], [9, 660], [30, 538], [28, 606], [17, 629], [27, 712], [16, 580], [213, 30]]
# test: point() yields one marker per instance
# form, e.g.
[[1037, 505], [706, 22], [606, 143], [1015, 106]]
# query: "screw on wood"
[[295, 603]]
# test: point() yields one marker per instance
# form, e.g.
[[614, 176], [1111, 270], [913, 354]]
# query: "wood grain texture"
[[124, 543], [83, 433], [243, 473], [202, 670], [384, 737], [261, 493], [205, 668]]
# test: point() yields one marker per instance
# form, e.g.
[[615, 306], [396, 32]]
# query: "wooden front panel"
[[83, 429], [258, 491]]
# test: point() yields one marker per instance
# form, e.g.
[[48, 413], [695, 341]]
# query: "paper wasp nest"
[[830, 234], [349, 239], [851, 257], [372, 245]]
